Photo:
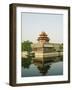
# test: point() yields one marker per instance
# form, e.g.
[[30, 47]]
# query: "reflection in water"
[[42, 67], [26, 62]]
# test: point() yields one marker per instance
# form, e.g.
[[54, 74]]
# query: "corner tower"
[[43, 38]]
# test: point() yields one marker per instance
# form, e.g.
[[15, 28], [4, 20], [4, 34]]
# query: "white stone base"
[[52, 54]]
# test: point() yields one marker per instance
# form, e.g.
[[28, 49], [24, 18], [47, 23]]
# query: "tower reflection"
[[40, 66], [44, 64]]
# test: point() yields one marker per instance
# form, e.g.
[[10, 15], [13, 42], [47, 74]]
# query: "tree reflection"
[[26, 62]]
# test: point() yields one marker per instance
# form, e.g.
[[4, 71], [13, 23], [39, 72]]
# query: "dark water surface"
[[42, 67]]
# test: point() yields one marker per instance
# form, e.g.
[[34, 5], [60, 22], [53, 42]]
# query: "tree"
[[61, 47], [26, 46]]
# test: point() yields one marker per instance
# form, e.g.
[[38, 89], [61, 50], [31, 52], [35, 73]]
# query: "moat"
[[45, 67]]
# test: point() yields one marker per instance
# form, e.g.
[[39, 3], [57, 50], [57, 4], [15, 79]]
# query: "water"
[[41, 67]]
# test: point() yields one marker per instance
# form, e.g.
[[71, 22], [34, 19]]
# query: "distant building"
[[45, 49]]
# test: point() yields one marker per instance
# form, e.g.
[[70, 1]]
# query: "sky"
[[34, 23]]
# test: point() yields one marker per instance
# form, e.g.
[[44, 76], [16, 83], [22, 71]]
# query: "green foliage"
[[61, 47], [26, 62], [26, 46]]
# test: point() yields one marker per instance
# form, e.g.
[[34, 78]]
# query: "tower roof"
[[43, 36]]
